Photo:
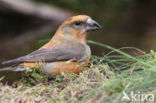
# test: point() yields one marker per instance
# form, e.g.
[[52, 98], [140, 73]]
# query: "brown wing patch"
[[32, 65]]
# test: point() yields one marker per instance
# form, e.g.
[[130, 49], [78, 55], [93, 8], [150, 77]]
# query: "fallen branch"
[[35, 9]]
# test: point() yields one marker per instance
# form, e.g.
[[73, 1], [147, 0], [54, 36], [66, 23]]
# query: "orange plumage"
[[66, 52]]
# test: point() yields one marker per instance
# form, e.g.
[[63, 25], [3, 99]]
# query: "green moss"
[[104, 81]]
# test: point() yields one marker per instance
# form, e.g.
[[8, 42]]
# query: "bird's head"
[[77, 27]]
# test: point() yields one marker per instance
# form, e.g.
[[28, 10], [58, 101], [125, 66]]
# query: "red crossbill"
[[66, 52]]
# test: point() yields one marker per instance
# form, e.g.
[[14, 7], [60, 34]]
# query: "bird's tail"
[[15, 68]]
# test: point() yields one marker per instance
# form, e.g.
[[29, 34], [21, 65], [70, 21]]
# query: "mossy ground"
[[103, 82]]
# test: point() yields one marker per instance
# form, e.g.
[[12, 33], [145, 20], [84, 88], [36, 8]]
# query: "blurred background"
[[26, 25]]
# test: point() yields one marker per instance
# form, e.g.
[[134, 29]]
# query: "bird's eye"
[[77, 23]]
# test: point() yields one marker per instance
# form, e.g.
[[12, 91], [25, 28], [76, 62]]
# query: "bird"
[[66, 52]]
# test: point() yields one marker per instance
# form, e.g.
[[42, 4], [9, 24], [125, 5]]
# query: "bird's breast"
[[88, 53]]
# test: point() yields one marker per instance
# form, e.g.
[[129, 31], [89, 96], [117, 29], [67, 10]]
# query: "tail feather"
[[9, 61], [7, 69], [17, 68]]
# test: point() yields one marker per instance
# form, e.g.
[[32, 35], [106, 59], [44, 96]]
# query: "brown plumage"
[[66, 52]]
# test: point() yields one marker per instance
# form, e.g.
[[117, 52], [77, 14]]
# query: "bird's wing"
[[66, 52]]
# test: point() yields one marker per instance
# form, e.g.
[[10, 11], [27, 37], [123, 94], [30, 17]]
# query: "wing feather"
[[66, 52]]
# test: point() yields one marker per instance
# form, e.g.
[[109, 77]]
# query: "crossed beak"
[[93, 25]]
